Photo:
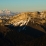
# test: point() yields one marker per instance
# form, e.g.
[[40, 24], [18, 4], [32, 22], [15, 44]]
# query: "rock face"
[[21, 19], [25, 17]]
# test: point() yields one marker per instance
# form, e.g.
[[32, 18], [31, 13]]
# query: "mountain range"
[[24, 29], [7, 12]]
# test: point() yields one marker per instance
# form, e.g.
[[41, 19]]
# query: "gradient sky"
[[23, 5]]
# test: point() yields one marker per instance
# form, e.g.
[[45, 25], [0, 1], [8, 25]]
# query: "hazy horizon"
[[23, 5]]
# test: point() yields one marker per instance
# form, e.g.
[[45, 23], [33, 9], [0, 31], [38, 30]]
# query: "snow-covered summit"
[[6, 12]]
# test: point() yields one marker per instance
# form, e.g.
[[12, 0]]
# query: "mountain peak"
[[20, 19], [6, 12]]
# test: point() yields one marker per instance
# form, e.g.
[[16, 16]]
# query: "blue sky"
[[23, 5]]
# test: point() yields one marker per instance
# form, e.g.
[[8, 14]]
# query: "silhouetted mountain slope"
[[40, 41], [43, 26], [36, 26], [32, 32], [28, 30], [4, 41], [22, 36], [4, 29]]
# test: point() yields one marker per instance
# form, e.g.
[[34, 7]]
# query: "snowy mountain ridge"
[[25, 17], [6, 12]]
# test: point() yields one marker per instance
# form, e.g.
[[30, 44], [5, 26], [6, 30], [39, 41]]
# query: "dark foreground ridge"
[[21, 36]]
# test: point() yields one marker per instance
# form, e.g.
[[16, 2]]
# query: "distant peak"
[[6, 11]]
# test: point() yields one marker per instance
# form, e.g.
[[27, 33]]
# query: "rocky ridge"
[[25, 17]]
